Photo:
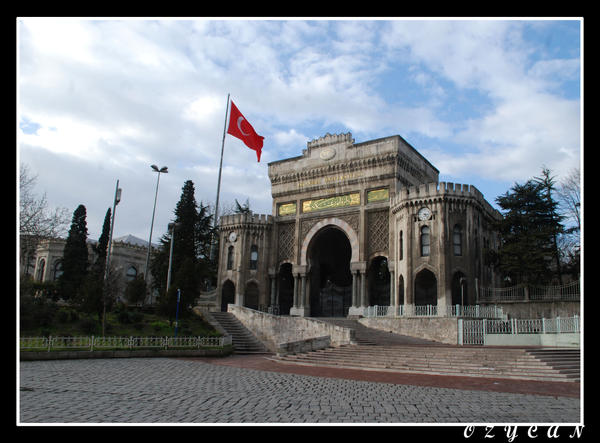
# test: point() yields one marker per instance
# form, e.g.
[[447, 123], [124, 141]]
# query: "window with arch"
[[230, 258], [131, 273], [253, 257], [41, 267], [401, 247], [58, 270], [457, 240], [425, 241]]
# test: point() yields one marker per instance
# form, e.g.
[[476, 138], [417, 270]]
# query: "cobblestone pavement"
[[163, 390]]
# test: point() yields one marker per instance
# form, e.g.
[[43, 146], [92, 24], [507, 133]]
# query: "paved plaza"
[[164, 390]]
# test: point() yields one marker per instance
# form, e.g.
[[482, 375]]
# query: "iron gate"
[[471, 332]]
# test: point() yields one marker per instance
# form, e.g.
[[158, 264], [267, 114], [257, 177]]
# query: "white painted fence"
[[474, 332], [475, 311], [92, 343], [567, 292]]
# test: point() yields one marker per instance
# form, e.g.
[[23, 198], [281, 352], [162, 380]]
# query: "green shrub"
[[123, 317], [89, 326]]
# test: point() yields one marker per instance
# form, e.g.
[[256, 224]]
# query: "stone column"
[[296, 305], [358, 270], [304, 292], [354, 288], [273, 290], [363, 289]]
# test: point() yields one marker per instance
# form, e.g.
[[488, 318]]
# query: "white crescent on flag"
[[239, 122]]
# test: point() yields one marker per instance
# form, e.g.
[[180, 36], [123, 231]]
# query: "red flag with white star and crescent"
[[240, 127]]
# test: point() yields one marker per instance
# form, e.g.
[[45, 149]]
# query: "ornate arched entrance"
[[425, 288], [227, 295], [330, 280]]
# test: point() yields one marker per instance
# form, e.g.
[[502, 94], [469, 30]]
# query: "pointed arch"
[[341, 224]]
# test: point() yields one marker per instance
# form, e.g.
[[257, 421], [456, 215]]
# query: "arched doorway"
[[251, 295], [329, 256], [459, 289], [227, 295], [379, 282], [425, 288], [286, 288]]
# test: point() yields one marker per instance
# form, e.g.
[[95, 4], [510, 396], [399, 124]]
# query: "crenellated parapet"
[[441, 192], [245, 221], [331, 139]]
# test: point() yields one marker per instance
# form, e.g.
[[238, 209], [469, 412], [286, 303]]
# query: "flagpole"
[[216, 220]]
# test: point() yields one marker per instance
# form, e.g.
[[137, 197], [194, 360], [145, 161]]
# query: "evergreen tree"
[[92, 293], [528, 230], [75, 257], [101, 249], [191, 259], [554, 219]]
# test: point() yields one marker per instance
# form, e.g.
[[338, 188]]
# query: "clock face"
[[232, 237], [424, 214]]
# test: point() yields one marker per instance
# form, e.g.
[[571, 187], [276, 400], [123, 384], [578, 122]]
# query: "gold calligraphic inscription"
[[338, 201], [287, 209], [377, 195], [338, 178]]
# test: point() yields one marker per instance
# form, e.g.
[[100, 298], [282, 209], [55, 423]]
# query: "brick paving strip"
[[514, 386]]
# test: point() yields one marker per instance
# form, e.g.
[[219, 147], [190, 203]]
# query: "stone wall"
[[538, 309], [274, 330], [440, 329]]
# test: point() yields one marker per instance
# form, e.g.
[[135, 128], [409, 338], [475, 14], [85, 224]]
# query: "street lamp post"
[[106, 269], [164, 170], [172, 227]]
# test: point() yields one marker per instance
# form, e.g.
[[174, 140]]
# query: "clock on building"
[[232, 237], [424, 214]]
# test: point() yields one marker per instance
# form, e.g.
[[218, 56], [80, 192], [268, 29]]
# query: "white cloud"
[[122, 94]]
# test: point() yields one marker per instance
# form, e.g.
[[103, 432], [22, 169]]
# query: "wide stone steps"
[[566, 361], [244, 342], [481, 362], [375, 349]]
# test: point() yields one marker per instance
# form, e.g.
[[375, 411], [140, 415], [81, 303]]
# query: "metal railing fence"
[[474, 311], [92, 343], [567, 292], [473, 331]]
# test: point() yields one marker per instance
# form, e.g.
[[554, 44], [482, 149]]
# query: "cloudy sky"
[[488, 102]]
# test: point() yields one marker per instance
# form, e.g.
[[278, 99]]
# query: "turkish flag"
[[240, 128]]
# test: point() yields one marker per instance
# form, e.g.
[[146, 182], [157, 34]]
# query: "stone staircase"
[[244, 342], [391, 352], [566, 361]]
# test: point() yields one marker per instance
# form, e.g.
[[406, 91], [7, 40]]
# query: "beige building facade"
[[127, 261], [355, 225]]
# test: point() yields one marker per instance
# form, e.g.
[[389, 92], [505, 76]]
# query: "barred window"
[[425, 241], [253, 257]]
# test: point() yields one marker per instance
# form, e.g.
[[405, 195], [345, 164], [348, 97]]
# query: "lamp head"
[[164, 169]]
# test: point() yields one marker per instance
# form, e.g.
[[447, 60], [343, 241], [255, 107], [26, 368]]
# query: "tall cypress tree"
[[101, 248], [75, 257], [190, 261], [91, 295]]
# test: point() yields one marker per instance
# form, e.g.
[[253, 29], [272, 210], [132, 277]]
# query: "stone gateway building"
[[357, 225]]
